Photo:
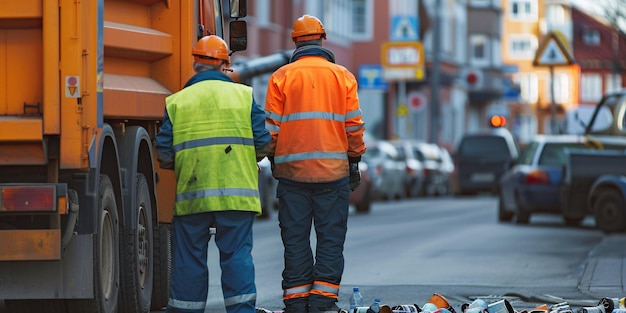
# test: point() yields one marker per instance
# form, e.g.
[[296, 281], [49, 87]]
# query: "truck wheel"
[[136, 254], [609, 211], [162, 267], [106, 257]]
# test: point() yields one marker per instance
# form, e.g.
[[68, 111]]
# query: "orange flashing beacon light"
[[497, 121]]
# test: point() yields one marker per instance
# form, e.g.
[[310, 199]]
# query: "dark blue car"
[[533, 183]]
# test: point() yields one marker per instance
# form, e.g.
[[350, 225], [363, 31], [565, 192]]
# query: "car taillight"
[[27, 198], [537, 178]]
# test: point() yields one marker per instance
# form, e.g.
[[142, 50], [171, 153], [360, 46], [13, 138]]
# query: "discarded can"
[[404, 308], [609, 304], [502, 306], [360, 309], [477, 306], [593, 309], [429, 307]]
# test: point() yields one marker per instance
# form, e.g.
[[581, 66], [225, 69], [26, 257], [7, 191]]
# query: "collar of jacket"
[[207, 75], [312, 51]]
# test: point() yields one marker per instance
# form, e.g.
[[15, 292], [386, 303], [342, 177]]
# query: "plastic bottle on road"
[[375, 307], [356, 300]]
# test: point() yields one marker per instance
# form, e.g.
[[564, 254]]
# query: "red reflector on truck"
[[27, 198]]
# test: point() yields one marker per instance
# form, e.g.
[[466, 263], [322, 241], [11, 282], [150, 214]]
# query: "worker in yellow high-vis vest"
[[212, 136]]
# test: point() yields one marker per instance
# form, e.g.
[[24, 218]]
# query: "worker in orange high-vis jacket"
[[313, 114]]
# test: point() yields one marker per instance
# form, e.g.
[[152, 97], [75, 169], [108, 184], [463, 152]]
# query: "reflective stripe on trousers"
[[326, 210], [189, 279]]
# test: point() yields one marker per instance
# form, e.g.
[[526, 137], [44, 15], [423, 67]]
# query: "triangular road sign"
[[554, 51]]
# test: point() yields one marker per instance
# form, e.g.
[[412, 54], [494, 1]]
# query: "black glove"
[[271, 158], [355, 176]]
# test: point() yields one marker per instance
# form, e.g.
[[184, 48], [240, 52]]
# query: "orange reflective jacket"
[[312, 111]]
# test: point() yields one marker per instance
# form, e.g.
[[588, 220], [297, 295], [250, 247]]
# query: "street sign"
[[371, 77], [417, 101], [402, 54], [402, 60], [404, 28], [554, 51]]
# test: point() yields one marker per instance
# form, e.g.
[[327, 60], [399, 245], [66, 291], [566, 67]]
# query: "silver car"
[[387, 169]]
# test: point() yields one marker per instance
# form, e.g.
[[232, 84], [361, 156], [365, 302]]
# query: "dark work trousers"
[[189, 279], [327, 209]]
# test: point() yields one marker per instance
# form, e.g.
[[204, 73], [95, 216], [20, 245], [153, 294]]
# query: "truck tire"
[[136, 251], [609, 211], [35, 306], [162, 267], [106, 269]]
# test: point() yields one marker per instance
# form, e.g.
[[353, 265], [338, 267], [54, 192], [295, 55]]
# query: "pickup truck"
[[595, 179]]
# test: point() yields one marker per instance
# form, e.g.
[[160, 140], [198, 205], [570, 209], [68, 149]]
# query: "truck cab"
[[595, 180]]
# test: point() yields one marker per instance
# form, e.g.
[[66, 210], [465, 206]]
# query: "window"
[[528, 83], [613, 82], [523, 10], [262, 9], [590, 87], [479, 49], [344, 19], [591, 37], [522, 46], [555, 14], [362, 19]]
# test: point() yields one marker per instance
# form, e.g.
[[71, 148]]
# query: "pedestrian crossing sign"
[[404, 28], [554, 50]]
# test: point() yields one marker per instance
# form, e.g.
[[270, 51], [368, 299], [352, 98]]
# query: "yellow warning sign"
[[554, 50]]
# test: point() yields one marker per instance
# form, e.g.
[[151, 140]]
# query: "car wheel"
[[609, 211], [364, 205], [503, 214], [522, 216], [572, 221]]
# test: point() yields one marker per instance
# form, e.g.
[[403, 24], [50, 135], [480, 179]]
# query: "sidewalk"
[[605, 271]]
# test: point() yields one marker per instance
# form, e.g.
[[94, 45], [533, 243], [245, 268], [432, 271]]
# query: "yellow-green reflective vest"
[[215, 161]]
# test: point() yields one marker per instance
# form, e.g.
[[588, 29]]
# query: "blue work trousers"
[[327, 210], [189, 278]]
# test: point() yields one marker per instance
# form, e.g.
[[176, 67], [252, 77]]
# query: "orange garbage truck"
[[84, 209]]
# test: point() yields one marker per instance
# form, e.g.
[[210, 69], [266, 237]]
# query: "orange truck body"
[[84, 207]]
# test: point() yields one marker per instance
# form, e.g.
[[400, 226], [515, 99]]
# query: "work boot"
[[330, 309], [295, 309]]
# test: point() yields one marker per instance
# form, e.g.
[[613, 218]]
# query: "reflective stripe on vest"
[[215, 161]]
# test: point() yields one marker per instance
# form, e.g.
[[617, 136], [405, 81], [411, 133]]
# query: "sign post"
[[553, 51]]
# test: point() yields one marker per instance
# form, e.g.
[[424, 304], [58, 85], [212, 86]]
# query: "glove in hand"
[[355, 176]]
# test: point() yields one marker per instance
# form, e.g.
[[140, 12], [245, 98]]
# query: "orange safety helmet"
[[210, 50], [307, 27]]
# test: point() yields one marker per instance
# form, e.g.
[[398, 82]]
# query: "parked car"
[[447, 169], [267, 189], [533, 184], [386, 168], [429, 155], [414, 182], [362, 196], [480, 160]]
